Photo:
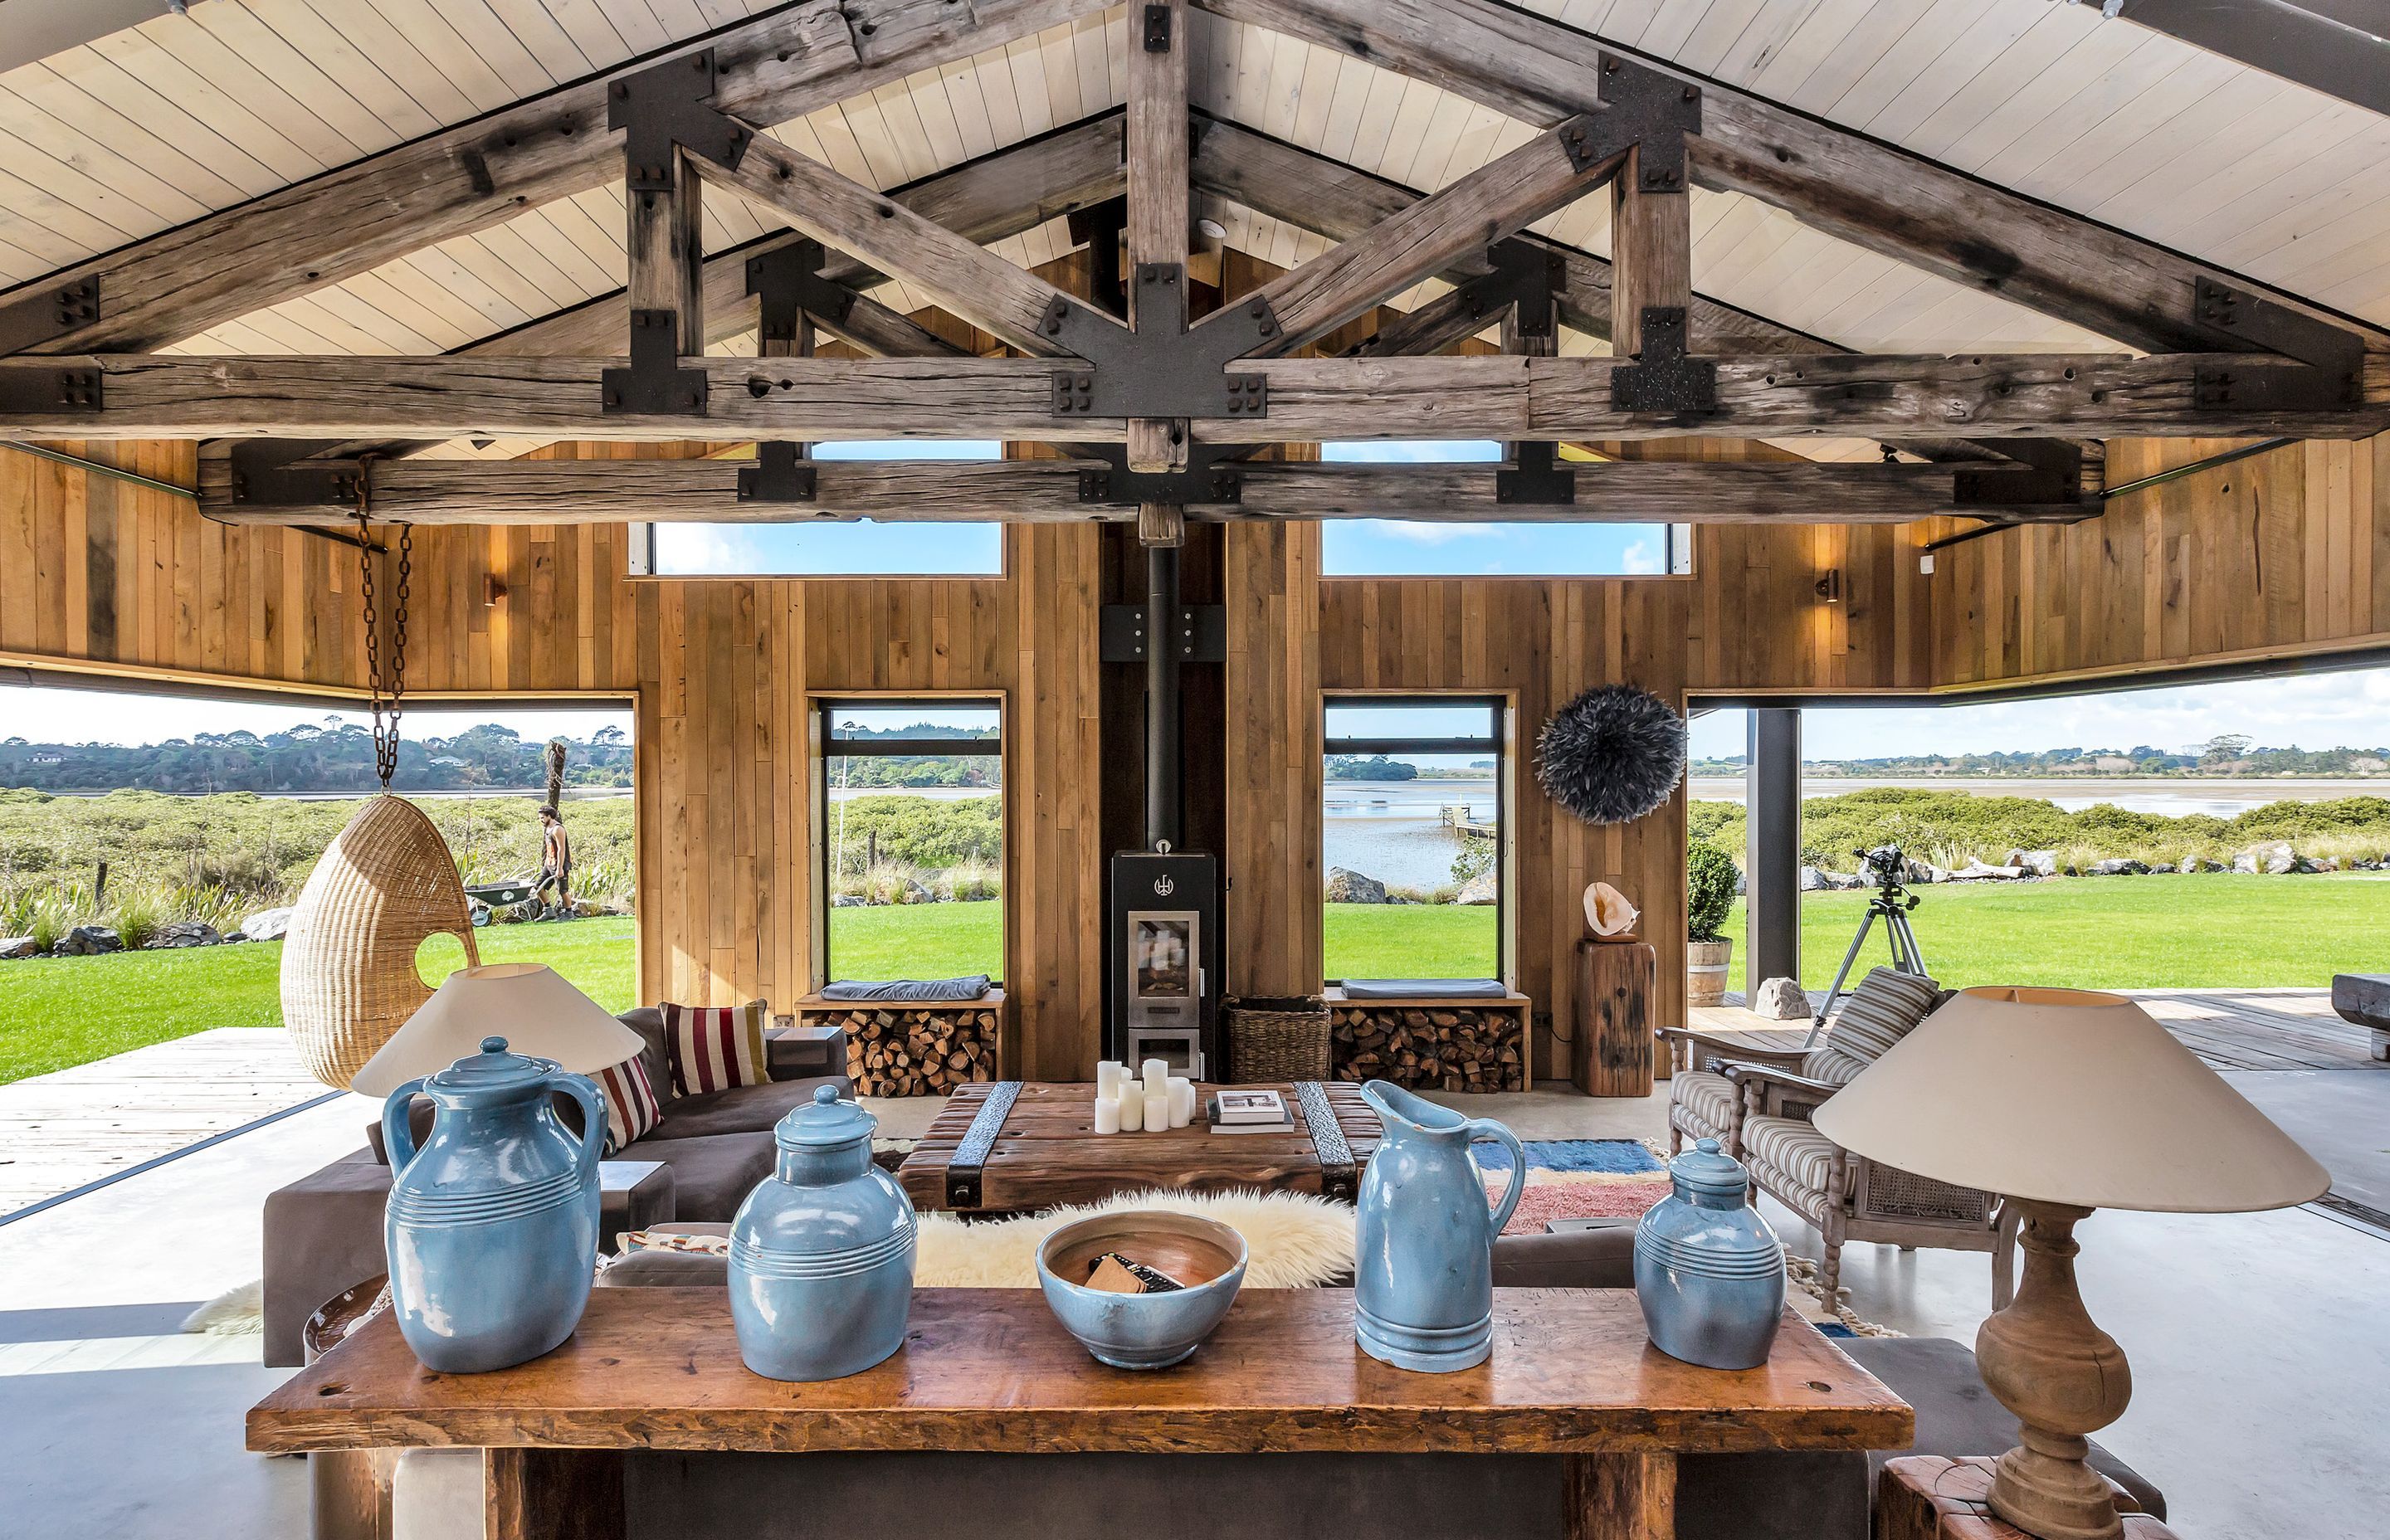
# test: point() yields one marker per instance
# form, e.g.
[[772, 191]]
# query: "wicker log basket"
[[1278, 1038], [386, 883]]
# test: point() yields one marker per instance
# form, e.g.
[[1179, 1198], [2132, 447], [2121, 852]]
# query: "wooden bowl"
[[1143, 1332]]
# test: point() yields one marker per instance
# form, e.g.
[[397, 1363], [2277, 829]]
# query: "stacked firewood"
[[1435, 1048], [915, 1050]]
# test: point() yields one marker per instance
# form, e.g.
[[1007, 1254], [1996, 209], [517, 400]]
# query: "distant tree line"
[[2229, 755], [332, 756]]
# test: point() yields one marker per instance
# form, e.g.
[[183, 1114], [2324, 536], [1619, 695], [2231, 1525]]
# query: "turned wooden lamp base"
[[2063, 1378]]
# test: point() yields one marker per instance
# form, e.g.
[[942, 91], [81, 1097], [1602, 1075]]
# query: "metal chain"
[[386, 695]]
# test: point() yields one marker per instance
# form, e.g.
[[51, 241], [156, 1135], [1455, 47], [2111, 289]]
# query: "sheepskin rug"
[[1296, 1240]]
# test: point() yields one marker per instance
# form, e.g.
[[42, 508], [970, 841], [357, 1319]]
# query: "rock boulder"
[[1780, 1000], [1481, 889], [1346, 886], [2274, 856], [185, 932], [2041, 863], [266, 925], [16, 946], [89, 940], [2124, 867]]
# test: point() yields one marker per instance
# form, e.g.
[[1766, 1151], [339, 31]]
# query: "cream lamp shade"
[[2067, 1096], [530, 1005]]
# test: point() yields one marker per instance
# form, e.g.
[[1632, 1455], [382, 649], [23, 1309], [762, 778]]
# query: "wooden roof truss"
[[1154, 409]]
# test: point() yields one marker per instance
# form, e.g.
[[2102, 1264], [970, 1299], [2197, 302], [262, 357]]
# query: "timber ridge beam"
[[434, 492]]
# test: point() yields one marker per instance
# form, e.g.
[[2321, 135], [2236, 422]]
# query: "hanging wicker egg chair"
[[385, 884]]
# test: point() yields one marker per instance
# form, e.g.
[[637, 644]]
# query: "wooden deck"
[[59, 1131], [2231, 1029]]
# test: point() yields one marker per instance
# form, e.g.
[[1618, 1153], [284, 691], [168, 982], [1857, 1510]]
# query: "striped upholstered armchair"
[[1760, 1114]]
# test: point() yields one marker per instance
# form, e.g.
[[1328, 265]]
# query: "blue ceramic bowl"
[[1143, 1332]]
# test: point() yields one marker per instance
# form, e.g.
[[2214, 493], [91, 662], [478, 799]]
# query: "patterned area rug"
[[1577, 1179]]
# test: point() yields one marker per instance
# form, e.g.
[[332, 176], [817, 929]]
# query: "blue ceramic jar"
[[491, 1227], [1423, 1239], [821, 1253], [1708, 1271]]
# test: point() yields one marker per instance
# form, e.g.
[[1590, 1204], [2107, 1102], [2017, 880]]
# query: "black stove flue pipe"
[[1165, 792]]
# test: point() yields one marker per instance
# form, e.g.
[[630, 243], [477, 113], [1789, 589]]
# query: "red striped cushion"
[[631, 1108], [716, 1047]]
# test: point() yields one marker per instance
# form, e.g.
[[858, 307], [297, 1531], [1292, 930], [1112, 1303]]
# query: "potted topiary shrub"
[[1709, 894]]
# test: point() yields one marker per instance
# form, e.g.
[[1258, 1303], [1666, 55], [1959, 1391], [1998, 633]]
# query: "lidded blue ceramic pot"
[[1708, 1271], [491, 1227], [821, 1253]]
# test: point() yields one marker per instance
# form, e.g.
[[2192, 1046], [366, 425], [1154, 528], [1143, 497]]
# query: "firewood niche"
[[1431, 1044], [915, 1049]]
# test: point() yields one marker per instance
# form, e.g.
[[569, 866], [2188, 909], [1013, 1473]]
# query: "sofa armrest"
[[323, 1234], [1576, 1259], [1768, 1077]]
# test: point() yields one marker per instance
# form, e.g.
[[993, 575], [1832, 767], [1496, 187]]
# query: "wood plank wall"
[[2287, 552], [1271, 913]]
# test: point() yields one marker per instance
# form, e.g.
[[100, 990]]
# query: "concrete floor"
[[2259, 1342]]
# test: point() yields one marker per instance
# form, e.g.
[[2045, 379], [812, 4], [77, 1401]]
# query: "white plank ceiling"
[[148, 128]]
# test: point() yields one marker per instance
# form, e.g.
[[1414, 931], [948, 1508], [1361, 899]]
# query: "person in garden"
[[555, 858]]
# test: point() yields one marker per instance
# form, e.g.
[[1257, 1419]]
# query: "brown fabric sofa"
[[1785, 1495], [323, 1233]]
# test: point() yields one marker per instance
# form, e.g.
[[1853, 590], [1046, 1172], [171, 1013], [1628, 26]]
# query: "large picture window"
[[1396, 548], [1414, 792], [822, 547], [912, 838]]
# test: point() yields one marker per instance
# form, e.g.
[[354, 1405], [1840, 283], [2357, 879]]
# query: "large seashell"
[[1608, 912]]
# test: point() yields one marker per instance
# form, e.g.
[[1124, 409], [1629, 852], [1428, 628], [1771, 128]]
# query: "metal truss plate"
[[1210, 476], [2334, 356], [1641, 106], [1535, 476], [663, 107], [1202, 633], [788, 285], [655, 384], [1665, 382], [47, 314], [1157, 28], [1162, 369], [2014, 486], [778, 475], [276, 473], [68, 387]]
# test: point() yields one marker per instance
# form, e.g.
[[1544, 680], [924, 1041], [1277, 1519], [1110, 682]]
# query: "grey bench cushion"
[[971, 988], [1424, 989]]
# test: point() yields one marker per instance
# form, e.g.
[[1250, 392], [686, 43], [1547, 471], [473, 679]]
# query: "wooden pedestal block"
[[1928, 1497], [1615, 1036]]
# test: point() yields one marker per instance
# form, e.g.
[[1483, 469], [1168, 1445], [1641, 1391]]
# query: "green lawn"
[[56, 1013], [1410, 940], [2118, 932], [918, 941]]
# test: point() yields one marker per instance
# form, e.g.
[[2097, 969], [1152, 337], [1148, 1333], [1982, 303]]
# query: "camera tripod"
[[1891, 904]]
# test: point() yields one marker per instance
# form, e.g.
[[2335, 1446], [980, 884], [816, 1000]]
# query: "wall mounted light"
[[1830, 585], [492, 589]]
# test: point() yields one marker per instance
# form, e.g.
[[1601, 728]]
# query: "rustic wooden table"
[[1032, 1144], [1572, 1375]]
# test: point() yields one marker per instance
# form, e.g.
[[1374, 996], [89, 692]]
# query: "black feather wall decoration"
[[1612, 754]]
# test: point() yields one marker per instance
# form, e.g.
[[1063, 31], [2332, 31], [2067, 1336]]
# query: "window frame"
[[821, 708], [1501, 713]]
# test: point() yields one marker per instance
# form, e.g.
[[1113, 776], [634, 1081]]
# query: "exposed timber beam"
[[1877, 197], [957, 273], [158, 395], [1159, 203], [597, 492], [768, 69]]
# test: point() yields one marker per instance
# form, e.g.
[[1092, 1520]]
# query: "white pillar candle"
[[1157, 1110], [1157, 1077], [1108, 1115], [1182, 1101], [1108, 1074], [1132, 1113]]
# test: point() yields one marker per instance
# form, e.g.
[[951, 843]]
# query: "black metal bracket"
[[1524, 274], [1202, 635], [276, 473], [1210, 476], [1639, 106], [2043, 474], [780, 474], [788, 285], [1664, 380], [667, 108], [2334, 356], [1162, 369], [655, 384], [68, 387], [1535, 475], [1157, 28], [48, 314]]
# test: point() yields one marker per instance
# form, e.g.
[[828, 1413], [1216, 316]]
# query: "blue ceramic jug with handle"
[[1708, 1271], [1423, 1263], [491, 1227]]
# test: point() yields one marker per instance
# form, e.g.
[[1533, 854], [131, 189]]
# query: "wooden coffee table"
[[1013, 1145], [990, 1371]]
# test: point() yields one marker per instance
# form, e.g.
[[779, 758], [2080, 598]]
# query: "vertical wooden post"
[[1156, 149], [667, 252], [1619, 1496], [1652, 252]]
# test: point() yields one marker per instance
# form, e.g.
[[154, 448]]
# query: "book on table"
[[1249, 1113]]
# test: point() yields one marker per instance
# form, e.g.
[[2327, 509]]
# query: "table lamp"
[[530, 1005], [2062, 1100]]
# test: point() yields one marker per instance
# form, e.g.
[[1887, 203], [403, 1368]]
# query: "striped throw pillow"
[[631, 1108], [1884, 1008], [716, 1047]]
